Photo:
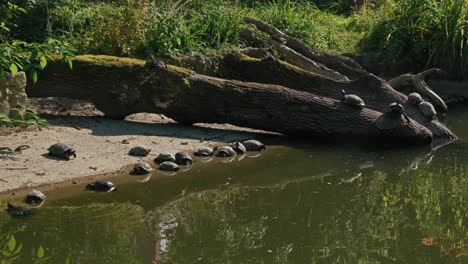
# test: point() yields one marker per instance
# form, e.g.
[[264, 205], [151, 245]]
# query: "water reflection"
[[300, 204]]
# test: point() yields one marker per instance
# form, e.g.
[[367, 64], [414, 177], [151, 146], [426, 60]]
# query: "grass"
[[419, 33]]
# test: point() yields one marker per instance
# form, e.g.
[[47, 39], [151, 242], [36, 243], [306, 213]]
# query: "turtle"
[[204, 152], [168, 166], [253, 145], [415, 99], [139, 151], [352, 99], [62, 151], [165, 156], [392, 118], [18, 211], [225, 151], [101, 186], [142, 168], [183, 158], [428, 110], [238, 147], [34, 197]]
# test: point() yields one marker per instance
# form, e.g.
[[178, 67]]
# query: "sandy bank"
[[98, 142]]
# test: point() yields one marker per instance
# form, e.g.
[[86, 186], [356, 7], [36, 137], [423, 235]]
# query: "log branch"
[[418, 82]]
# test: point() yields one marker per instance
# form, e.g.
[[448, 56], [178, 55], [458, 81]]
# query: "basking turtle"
[[139, 151], [34, 197], [204, 152], [352, 99], [183, 158], [392, 118], [142, 168], [238, 147], [18, 211], [62, 151], [168, 166], [415, 99], [225, 151], [165, 156], [253, 145], [428, 110], [101, 186]]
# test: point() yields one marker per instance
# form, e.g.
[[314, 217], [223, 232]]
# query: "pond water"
[[300, 203]]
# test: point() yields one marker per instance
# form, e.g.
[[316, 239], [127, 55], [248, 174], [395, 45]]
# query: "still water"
[[300, 203]]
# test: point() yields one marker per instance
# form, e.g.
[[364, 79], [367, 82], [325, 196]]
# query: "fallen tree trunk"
[[297, 93]]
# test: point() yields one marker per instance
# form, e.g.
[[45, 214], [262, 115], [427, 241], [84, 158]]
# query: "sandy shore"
[[98, 142]]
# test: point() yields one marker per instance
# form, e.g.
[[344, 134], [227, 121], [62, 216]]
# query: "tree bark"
[[280, 85]]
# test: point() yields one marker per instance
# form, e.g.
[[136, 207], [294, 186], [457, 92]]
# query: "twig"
[[11, 168]]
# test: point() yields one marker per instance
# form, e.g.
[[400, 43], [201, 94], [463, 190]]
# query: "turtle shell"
[[204, 152], [61, 150], [139, 151], [388, 120], [101, 186], [238, 147], [168, 166], [142, 168], [165, 156], [183, 158], [395, 106], [225, 151], [415, 98], [428, 110], [34, 197], [17, 211], [353, 100], [253, 145]]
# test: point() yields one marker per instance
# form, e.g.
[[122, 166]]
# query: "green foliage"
[[181, 27], [18, 55], [422, 33], [29, 118], [31, 57]]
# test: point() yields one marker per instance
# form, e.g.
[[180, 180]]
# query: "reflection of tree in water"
[[416, 218], [94, 233]]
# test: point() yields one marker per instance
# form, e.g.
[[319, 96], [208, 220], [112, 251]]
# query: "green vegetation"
[[29, 118], [416, 34], [18, 55]]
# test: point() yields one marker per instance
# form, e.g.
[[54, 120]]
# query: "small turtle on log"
[[428, 110], [168, 166], [34, 197], [238, 147], [352, 99], [139, 151], [142, 168], [62, 151], [415, 99], [204, 152], [392, 118], [183, 158], [253, 145], [17, 211], [165, 156], [225, 151], [101, 186]]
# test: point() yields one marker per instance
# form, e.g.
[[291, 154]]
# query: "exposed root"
[[418, 82]]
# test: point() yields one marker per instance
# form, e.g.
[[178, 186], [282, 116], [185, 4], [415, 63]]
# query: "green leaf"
[[13, 69], [33, 75], [67, 261], [43, 62], [12, 243], [70, 63], [40, 252]]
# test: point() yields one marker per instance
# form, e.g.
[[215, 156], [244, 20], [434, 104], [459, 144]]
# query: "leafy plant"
[[29, 118]]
